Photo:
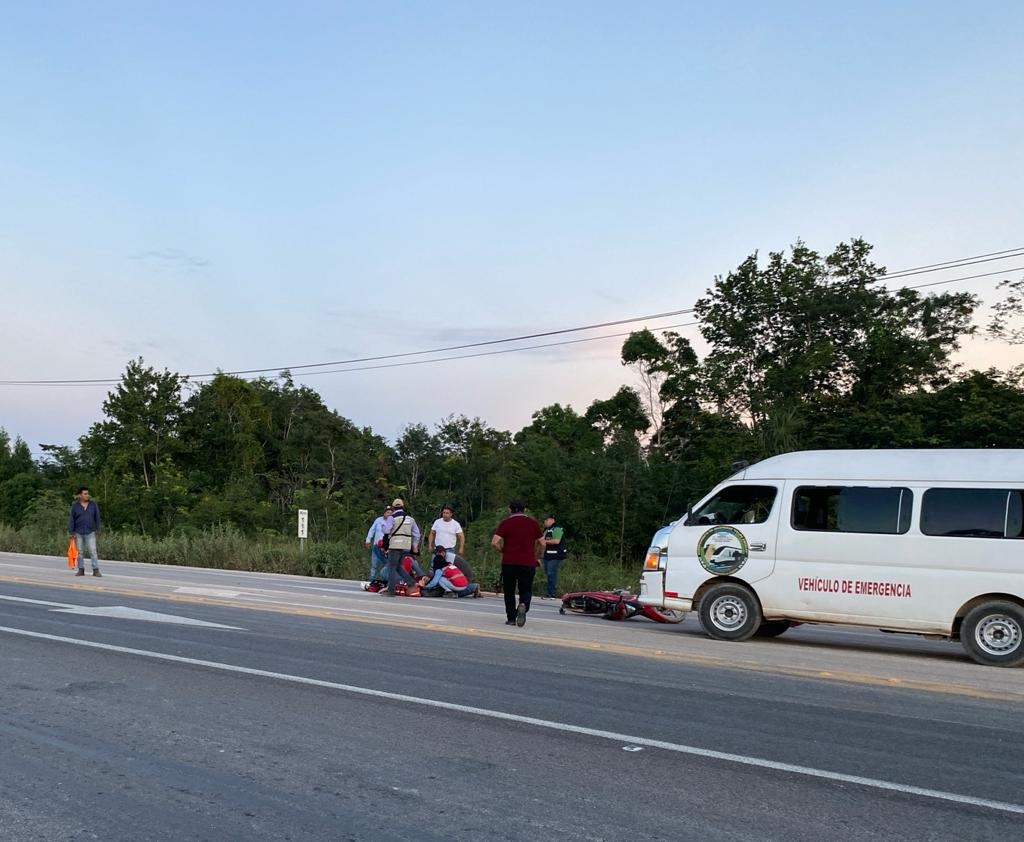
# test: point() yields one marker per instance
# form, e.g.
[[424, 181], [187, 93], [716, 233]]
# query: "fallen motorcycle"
[[617, 605]]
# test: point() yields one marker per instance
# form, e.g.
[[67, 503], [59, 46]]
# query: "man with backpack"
[[401, 538]]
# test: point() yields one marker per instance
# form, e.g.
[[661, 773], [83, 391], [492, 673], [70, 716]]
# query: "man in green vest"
[[554, 554]]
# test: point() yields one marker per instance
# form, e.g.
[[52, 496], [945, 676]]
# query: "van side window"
[[852, 508], [973, 513], [737, 504]]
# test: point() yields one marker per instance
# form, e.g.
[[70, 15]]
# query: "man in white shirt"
[[447, 532]]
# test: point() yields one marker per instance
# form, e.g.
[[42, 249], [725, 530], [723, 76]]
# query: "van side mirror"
[[689, 514]]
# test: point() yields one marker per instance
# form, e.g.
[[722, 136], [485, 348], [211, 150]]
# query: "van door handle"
[[758, 548]]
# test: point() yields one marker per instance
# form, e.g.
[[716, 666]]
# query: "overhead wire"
[[597, 338], [490, 353], [966, 278], [275, 369], [941, 267], [305, 369], [1006, 254]]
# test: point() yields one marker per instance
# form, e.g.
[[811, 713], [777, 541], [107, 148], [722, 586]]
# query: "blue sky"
[[258, 185]]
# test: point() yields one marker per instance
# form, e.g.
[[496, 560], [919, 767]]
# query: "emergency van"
[[922, 541]]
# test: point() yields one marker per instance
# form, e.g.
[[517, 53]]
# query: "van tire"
[[772, 628], [993, 634], [729, 612]]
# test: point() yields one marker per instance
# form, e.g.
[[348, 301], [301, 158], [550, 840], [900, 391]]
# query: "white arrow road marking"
[[37, 602], [121, 612]]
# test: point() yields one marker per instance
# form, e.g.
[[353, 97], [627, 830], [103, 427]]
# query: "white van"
[[922, 541]]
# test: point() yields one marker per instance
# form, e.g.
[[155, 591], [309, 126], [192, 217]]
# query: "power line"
[[966, 278], [953, 264], [468, 344], [275, 369], [204, 377], [489, 353], [958, 260], [596, 338], [323, 366]]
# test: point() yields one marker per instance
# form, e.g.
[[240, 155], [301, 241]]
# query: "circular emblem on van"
[[722, 550]]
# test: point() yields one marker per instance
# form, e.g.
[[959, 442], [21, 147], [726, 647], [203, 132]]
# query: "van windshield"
[[737, 504]]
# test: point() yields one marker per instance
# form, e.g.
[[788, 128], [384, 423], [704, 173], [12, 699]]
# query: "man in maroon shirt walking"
[[520, 540]]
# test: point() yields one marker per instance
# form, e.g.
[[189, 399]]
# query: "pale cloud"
[[132, 348], [171, 259]]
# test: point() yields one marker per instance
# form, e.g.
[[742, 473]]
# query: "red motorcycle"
[[616, 605]]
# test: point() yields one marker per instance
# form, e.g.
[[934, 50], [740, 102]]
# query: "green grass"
[[227, 548]]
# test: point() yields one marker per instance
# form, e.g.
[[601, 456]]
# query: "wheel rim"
[[728, 613], [998, 634]]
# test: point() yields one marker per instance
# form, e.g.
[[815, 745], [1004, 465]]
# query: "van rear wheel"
[[729, 612], [993, 634]]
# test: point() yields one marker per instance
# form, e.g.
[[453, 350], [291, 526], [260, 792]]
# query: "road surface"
[[176, 703]]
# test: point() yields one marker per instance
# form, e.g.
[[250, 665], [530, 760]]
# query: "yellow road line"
[[866, 679]]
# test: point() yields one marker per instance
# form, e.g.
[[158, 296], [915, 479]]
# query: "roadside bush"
[[225, 547]]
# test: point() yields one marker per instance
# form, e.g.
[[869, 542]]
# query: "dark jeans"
[[516, 576], [551, 566]]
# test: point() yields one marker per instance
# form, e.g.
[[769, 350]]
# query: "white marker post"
[[303, 529]]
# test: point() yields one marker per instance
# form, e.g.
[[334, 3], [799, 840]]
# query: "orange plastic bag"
[[72, 553]]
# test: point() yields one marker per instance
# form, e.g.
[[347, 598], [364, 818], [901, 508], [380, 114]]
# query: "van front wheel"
[[729, 612], [993, 634]]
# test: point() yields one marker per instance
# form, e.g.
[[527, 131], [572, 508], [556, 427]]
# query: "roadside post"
[[303, 530]]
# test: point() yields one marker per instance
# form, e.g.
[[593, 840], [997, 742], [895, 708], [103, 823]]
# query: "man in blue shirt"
[[377, 557], [83, 526]]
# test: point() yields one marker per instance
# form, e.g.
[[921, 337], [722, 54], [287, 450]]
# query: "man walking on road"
[[84, 526], [520, 540]]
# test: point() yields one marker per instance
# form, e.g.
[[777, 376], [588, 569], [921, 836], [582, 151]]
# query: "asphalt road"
[[171, 703]]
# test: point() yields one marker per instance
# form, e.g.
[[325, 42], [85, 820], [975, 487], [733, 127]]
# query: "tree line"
[[802, 351]]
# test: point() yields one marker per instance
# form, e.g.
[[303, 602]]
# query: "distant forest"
[[804, 351]]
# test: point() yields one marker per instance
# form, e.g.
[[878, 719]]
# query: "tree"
[[418, 454], [1007, 321], [981, 409], [649, 358], [806, 327], [15, 458], [471, 474], [130, 457], [669, 373], [226, 422], [620, 419], [141, 430], [20, 479]]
